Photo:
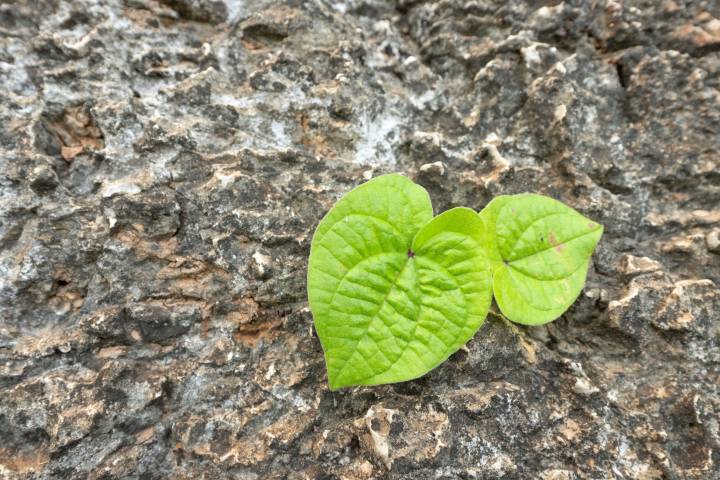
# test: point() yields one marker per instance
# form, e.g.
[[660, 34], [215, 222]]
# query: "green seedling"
[[540, 252], [394, 292]]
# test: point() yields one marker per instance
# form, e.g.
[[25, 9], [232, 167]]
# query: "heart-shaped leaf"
[[393, 291], [540, 251]]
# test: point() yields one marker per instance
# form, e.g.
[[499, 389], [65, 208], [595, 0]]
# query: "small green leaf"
[[540, 251], [394, 292]]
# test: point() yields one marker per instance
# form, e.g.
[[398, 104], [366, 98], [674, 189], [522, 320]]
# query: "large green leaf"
[[394, 292], [540, 251]]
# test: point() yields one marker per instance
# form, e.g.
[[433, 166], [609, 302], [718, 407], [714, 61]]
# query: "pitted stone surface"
[[163, 164]]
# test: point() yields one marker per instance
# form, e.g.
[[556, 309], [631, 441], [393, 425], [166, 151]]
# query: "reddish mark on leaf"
[[552, 239], [591, 225], [559, 247], [411, 254]]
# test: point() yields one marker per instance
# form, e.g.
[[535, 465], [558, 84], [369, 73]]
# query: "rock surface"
[[163, 164]]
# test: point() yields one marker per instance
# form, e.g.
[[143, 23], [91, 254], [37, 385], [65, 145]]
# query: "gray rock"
[[163, 165]]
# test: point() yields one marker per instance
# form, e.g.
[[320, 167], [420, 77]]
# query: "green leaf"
[[540, 251], [394, 292]]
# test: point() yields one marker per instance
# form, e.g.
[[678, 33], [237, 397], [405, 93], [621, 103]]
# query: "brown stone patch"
[[253, 327], [76, 131], [24, 462]]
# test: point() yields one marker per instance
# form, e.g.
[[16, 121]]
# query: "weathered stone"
[[713, 240], [693, 305], [158, 323], [163, 164], [154, 213], [632, 265]]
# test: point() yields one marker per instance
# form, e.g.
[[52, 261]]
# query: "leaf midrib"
[[546, 248], [422, 305], [373, 317]]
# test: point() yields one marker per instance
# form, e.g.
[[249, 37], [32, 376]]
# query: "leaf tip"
[[332, 384]]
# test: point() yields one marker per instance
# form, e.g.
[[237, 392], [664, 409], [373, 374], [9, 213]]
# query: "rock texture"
[[163, 164]]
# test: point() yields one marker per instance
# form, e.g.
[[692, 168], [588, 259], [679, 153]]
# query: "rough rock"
[[163, 164]]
